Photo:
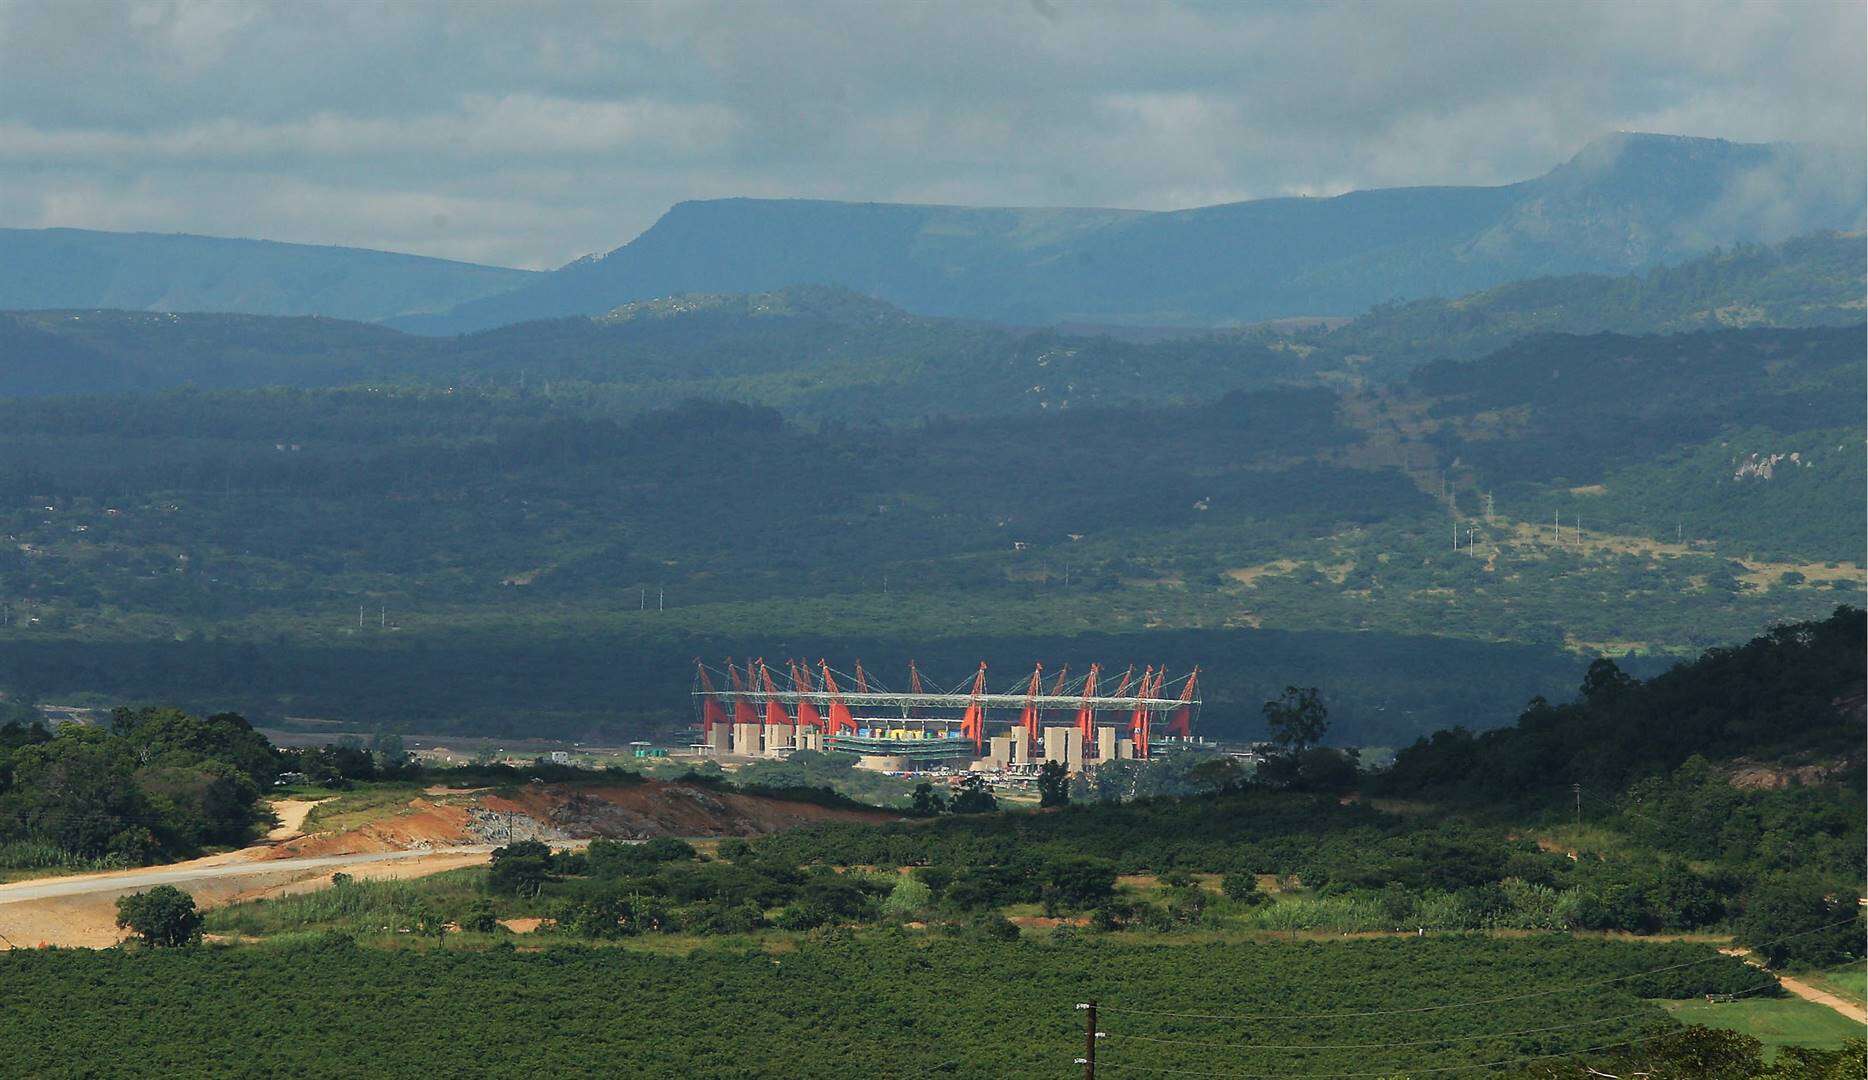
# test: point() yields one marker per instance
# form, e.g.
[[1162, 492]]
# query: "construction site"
[[759, 711]]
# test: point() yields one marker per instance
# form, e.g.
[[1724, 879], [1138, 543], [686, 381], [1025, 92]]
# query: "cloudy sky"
[[528, 134]]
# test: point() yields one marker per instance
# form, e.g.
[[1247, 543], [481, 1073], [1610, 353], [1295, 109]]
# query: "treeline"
[[1796, 689], [623, 683]]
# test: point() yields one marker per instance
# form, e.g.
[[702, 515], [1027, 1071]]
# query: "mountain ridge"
[[1624, 202], [67, 268]]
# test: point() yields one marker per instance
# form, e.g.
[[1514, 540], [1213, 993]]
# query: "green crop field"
[[882, 1004]]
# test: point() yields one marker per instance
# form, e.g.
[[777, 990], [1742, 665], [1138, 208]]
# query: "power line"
[[1465, 1004]]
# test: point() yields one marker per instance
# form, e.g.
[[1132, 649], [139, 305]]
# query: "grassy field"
[[360, 806], [1774, 1022]]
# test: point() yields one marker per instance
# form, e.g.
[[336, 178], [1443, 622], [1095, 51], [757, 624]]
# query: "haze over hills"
[[1625, 202], [827, 353], [81, 268]]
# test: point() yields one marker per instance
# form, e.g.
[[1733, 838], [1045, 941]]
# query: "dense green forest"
[[155, 784]]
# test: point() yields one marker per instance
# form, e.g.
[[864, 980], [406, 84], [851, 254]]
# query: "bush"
[[1243, 887], [479, 918], [164, 917]]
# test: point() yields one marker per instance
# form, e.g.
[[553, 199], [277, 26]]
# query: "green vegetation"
[[835, 1006], [1774, 1022], [158, 783], [1809, 281], [189, 553], [163, 917]]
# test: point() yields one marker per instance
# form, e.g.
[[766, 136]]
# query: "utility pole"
[[1088, 1060], [1577, 790], [660, 593]]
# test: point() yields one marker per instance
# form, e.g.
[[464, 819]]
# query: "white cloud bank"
[[528, 134]]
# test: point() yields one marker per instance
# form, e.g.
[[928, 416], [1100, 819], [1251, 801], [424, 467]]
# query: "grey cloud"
[[533, 133]]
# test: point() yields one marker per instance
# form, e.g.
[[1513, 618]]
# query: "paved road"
[[119, 881]]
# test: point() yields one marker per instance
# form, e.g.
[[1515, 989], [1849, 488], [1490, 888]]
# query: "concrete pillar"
[[746, 739], [777, 737], [1073, 750], [1105, 743], [1001, 754], [1021, 748], [1054, 744], [720, 739], [1125, 749]]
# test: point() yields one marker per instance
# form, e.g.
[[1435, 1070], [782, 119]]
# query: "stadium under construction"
[[753, 710]]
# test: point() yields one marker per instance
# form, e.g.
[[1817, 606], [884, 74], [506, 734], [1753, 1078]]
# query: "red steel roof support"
[[973, 724], [1086, 716], [711, 712], [1028, 717], [840, 718], [1180, 722]]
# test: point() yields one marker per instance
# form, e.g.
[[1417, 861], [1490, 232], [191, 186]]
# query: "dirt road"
[[1823, 997], [1804, 990], [81, 910], [291, 814]]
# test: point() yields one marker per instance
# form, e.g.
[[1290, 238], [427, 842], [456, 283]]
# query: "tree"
[[1079, 882], [1053, 785], [1239, 885], [520, 869], [927, 800], [1219, 774], [1801, 921], [974, 797], [164, 917], [1297, 719]]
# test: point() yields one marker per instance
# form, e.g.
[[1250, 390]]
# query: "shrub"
[[163, 917]]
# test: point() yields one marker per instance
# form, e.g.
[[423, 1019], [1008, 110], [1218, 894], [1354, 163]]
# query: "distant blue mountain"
[[78, 268], [1625, 202]]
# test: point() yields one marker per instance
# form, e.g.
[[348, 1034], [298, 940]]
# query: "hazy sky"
[[531, 133]]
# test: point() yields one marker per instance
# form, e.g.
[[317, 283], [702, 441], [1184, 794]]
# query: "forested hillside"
[[1792, 695], [1813, 280], [829, 354], [1624, 202], [375, 551]]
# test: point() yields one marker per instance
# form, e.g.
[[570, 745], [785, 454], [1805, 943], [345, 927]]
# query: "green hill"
[[1813, 280], [79, 268]]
